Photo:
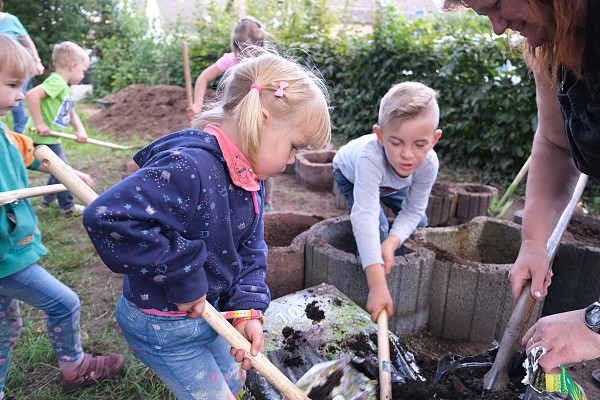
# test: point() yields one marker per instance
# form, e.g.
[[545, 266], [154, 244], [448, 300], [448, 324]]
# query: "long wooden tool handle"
[[82, 191], [259, 362], [19, 194], [497, 377], [90, 140], [187, 73], [383, 357]]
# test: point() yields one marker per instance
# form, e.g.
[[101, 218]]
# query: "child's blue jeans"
[[186, 353], [392, 200], [65, 199], [37, 287]]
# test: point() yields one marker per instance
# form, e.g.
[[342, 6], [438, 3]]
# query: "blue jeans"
[[65, 199], [186, 354], [18, 113], [392, 200], [37, 287]]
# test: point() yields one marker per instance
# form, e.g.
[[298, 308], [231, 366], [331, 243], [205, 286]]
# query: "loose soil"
[[153, 111]]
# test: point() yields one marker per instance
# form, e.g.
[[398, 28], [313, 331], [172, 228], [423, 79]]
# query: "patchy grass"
[[34, 373]]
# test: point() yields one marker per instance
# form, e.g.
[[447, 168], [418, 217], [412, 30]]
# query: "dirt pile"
[[150, 111]]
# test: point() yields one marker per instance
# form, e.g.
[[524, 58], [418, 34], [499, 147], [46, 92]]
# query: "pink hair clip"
[[282, 85]]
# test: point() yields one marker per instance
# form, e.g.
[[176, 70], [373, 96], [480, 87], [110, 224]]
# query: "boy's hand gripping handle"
[[235, 339]]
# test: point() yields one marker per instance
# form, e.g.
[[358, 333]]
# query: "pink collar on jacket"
[[239, 167]]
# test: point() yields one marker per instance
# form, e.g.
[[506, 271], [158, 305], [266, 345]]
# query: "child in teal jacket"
[[21, 278]]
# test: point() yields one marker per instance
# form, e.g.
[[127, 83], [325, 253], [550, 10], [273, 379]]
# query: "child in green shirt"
[[51, 106]]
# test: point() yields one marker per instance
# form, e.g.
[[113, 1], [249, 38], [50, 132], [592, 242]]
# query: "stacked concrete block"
[[441, 207], [471, 298], [340, 200], [330, 257], [285, 235], [576, 266], [473, 200], [314, 169]]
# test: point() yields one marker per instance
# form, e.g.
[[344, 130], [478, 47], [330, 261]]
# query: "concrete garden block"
[[314, 169], [441, 207], [340, 200], [473, 200], [471, 298], [576, 266], [285, 235], [330, 258], [291, 168]]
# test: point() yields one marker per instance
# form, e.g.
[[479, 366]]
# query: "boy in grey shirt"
[[397, 166]]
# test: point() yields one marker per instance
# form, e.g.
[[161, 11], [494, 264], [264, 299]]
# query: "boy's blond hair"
[[248, 32], [65, 53], [14, 59], [405, 101], [304, 102]]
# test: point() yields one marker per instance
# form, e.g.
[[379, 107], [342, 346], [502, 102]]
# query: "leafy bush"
[[135, 54], [487, 96]]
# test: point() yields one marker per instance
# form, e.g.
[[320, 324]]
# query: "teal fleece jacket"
[[20, 238]]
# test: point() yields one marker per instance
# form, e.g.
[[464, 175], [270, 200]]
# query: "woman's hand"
[[531, 264], [566, 338]]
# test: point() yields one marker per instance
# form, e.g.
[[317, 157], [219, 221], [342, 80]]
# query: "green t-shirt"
[[55, 109]]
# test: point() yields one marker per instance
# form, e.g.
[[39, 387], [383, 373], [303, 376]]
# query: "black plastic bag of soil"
[[317, 325]]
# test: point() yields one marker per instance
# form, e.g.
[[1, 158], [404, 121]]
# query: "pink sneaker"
[[95, 369]]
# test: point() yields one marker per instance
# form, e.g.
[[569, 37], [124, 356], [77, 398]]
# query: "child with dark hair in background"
[[396, 166], [187, 226], [51, 106], [247, 36], [21, 278]]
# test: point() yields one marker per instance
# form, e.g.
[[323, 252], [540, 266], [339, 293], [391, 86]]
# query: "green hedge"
[[487, 96]]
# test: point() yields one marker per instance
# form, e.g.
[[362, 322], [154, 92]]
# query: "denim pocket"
[[173, 331]]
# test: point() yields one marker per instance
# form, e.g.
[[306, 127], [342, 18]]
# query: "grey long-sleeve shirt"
[[363, 162]]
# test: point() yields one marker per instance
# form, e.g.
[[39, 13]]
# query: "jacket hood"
[[187, 138]]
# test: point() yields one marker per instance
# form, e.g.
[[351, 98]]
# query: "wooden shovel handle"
[[497, 377], [90, 140], [383, 356], [25, 193], [235, 339]]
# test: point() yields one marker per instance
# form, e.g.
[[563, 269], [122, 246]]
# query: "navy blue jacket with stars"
[[182, 226]]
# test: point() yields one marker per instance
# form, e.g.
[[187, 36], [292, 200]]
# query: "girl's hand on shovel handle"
[[252, 330], [194, 309]]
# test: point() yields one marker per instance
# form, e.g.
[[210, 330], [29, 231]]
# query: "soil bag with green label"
[[543, 386]]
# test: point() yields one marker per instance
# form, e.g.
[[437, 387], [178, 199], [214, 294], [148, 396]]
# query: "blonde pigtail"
[[250, 120]]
